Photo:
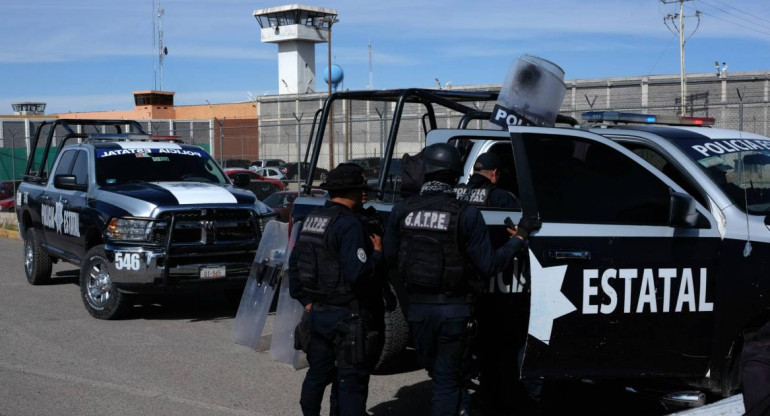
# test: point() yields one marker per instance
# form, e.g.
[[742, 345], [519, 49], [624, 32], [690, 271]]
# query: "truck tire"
[[37, 262], [395, 341], [100, 296]]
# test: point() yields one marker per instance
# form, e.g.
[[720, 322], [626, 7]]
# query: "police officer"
[[332, 273], [481, 189], [444, 256]]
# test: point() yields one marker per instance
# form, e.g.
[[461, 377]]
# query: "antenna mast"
[[371, 70], [161, 50]]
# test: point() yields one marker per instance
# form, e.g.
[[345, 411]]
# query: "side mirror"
[[68, 182], [682, 212], [241, 180]]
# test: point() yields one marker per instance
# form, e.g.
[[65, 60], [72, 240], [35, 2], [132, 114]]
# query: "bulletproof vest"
[[317, 262], [474, 195], [430, 259]]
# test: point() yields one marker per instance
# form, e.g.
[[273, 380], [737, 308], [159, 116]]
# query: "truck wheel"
[[395, 342], [100, 296], [37, 263]]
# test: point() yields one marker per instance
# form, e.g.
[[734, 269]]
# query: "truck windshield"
[[118, 166], [740, 167]]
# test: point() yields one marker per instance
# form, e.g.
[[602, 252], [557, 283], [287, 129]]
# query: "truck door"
[[60, 209], [615, 290]]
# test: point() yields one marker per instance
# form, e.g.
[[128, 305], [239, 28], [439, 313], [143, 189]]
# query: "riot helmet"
[[441, 157]]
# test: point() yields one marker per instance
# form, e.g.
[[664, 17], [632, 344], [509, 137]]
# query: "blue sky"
[[89, 55]]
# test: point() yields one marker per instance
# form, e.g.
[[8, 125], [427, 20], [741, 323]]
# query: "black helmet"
[[441, 156], [345, 176]]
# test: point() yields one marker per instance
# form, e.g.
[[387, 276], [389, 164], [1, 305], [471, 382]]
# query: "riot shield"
[[261, 285], [288, 314]]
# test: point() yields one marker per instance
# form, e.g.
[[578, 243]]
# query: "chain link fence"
[[361, 128]]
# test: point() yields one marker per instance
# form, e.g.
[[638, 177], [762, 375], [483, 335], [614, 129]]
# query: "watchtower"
[[296, 29]]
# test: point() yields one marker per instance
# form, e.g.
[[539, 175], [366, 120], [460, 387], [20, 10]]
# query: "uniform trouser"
[[350, 383], [439, 338]]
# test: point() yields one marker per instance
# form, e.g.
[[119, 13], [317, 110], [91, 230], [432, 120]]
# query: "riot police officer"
[[332, 273], [444, 256], [481, 189]]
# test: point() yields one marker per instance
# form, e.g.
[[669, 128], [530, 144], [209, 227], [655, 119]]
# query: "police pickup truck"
[[137, 213], [651, 266]]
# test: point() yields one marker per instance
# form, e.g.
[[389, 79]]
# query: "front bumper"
[[150, 269]]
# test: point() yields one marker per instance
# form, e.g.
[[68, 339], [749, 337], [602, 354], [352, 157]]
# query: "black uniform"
[[333, 267], [444, 254], [480, 191]]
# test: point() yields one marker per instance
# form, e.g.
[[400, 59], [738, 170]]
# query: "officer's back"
[[332, 273], [444, 253]]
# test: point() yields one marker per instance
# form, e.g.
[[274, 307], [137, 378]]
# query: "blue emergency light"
[[618, 117]]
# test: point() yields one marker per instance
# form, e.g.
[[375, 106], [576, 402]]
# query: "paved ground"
[[175, 356], [172, 356]]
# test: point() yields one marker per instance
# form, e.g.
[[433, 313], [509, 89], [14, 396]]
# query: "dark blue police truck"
[[136, 213]]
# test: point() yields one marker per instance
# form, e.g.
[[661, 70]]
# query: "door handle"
[[64, 202], [568, 254], [45, 198]]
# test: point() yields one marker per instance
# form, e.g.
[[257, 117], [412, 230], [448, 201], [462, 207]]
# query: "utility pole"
[[679, 29]]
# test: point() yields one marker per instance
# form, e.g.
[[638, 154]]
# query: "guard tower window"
[[154, 99]]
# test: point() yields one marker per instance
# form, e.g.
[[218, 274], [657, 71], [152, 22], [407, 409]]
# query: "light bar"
[[618, 117]]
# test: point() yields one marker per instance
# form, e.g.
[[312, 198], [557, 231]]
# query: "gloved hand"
[[527, 225]]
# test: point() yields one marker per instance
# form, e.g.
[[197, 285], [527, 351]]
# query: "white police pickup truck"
[[137, 213], [651, 266]]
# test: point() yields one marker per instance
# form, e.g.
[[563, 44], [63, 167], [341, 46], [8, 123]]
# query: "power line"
[[747, 14], [661, 55], [736, 23]]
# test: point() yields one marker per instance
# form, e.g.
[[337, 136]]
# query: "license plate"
[[213, 272]]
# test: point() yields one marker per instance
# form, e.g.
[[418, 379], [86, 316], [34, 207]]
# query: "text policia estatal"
[[677, 287]]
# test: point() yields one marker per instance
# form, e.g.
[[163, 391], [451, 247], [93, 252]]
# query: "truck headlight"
[[265, 218], [130, 229]]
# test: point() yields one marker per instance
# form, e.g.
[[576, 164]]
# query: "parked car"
[[290, 170], [371, 165], [281, 202], [235, 163], [8, 195], [273, 173], [261, 186], [265, 163]]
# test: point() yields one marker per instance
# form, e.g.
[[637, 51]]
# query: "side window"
[[65, 162], [581, 181], [668, 169], [80, 168]]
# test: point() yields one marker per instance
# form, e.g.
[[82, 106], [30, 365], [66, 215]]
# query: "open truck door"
[[623, 269]]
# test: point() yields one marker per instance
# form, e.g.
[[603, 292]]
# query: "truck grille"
[[218, 226]]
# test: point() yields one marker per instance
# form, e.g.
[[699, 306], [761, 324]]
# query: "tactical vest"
[[475, 195], [430, 259], [317, 263]]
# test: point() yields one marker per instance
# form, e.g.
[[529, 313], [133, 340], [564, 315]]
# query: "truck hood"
[[141, 198]]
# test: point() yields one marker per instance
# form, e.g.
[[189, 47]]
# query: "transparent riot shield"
[[288, 314], [261, 285]]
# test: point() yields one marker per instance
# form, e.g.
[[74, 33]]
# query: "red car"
[[281, 202], [261, 186], [8, 195]]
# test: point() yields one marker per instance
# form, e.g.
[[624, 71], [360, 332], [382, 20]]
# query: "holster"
[[357, 345], [351, 340], [302, 334]]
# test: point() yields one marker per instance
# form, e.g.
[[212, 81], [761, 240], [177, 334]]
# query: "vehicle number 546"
[[127, 261]]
